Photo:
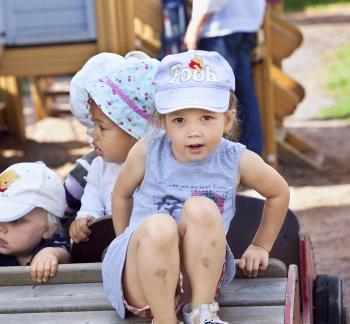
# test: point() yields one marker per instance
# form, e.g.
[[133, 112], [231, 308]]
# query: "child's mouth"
[[3, 242], [195, 148]]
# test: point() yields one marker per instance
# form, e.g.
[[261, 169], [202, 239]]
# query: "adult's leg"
[[151, 271], [248, 106], [236, 49], [203, 247]]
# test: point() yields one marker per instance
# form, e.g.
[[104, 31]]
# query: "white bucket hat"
[[25, 186], [193, 79], [96, 67]]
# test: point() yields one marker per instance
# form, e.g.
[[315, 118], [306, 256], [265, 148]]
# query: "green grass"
[[338, 84], [301, 5]]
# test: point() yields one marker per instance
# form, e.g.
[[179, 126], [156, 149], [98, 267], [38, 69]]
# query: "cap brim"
[[11, 211], [212, 99]]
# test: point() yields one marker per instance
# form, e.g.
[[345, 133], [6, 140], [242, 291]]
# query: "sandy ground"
[[321, 201]]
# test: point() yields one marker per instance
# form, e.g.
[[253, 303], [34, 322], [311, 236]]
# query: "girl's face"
[[109, 140], [20, 237], [196, 133]]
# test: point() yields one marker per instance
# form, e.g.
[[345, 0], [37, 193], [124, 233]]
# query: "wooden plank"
[[235, 315], [254, 292], [11, 88], [90, 296], [308, 276], [67, 273], [275, 269], [150, 13], [285, 37], [292, 307], [114, 24], [3, 125], [91, 272], [46, 60], [292, 155], [38, 98]]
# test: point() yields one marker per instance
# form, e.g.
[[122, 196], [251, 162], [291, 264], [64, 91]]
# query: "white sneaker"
[[180, 322], [206, 313]]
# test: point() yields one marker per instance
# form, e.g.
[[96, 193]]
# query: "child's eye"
[[178, 120], [207, 117]]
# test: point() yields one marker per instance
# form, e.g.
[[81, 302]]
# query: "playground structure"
[[122, 26]]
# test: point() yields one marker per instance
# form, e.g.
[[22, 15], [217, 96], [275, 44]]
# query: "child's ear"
[[51, 230]]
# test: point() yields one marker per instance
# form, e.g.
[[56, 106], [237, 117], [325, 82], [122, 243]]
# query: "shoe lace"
[[207, 314]]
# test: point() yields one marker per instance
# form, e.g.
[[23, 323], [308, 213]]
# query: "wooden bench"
[[75, 295]]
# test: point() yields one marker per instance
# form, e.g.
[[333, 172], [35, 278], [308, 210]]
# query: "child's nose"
[[194, 130], [94, 133]]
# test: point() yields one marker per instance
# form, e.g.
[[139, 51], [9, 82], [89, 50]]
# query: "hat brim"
[[211, 99], [11, 211]]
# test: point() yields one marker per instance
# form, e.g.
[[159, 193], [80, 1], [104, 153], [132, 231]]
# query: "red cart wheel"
[[328, 301]]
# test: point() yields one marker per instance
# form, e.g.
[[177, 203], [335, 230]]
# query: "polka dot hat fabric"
[[126, 96]]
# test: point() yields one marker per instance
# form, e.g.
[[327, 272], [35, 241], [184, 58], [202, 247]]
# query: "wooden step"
[[287, 93], [285, 37], [75, 295], [91, 272], [234, 315]]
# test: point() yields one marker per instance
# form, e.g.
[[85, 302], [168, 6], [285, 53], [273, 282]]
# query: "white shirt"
[[229, 16], [97, 198]]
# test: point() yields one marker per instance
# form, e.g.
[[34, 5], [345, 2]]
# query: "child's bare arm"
[[79, 230], [44, 264], [129, 178], [255, 173]]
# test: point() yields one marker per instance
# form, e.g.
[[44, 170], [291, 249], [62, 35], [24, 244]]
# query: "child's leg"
[[204, 246], [151, 271]]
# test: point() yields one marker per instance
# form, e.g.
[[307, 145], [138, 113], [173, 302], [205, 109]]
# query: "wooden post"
[[11, 87], [38, 98], [264, 91], [115, 26]]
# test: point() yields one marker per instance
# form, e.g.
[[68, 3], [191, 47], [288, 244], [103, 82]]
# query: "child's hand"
[[44, 264], [253, 259], [79, 231]]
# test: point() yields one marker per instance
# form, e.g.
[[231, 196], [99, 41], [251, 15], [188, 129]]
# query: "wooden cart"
[[289, 291]]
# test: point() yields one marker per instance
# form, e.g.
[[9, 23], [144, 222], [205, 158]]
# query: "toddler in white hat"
[[113, 96], [32, 200]]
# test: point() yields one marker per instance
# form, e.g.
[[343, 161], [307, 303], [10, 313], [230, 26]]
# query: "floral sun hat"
[[97, 66], [126, 96]]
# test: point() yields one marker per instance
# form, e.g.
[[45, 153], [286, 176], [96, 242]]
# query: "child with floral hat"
[[118, 104], [97, 66], [174, 199], [32, 201]]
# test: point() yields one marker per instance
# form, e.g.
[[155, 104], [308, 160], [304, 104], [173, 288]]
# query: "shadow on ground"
[[54, 154]]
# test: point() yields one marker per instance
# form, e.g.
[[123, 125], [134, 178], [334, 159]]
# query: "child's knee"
[[161, 230], [202, 210]]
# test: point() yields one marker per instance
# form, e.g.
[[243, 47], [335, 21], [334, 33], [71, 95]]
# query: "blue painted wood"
[[2, 27], [38, 22]]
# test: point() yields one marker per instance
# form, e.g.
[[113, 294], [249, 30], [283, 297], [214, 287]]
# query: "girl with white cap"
[[174, 199]]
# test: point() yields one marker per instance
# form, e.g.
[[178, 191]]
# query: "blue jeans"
[[236, 49]]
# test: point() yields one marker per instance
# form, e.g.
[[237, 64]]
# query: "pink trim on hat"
[[130, 103]]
